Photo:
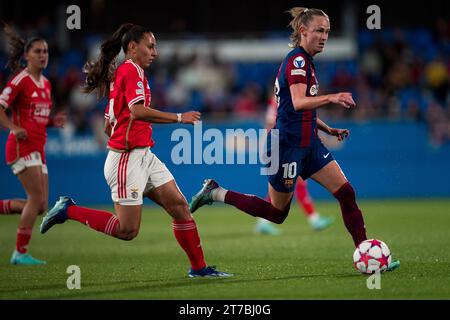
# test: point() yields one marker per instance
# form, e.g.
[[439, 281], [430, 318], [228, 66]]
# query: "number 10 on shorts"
[[289, 170]]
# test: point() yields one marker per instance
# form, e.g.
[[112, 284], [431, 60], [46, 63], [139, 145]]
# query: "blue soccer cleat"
[[393, 265], [57, 214], [204, 195], [18, 258], [265, 227], [321, 223], [208, 272]]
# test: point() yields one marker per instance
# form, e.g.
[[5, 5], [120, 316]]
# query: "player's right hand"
[[190, 117], [344, 99], [19, 133]]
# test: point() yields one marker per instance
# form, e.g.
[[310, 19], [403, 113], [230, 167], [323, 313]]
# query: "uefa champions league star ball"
[[371, 256]]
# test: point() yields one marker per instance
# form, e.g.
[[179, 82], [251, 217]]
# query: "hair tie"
[[306, 10]]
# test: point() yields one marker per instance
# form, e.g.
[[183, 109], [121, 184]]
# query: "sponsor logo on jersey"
[[314, 90], [34, 95], [42, 110], [299, 62], [298, 72]]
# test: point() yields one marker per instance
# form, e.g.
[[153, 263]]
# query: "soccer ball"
[[372, 255]]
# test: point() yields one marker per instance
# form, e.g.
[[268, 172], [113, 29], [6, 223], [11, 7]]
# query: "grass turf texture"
[[298, 264]]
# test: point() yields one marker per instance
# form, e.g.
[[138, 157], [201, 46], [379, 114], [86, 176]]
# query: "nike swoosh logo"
[[326, 156]]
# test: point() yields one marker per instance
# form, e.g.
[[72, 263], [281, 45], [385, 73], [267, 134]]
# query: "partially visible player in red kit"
[[28, 96], [316, 221], [131, 170]]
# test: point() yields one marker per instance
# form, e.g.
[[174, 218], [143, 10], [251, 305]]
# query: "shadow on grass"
[[153, 285]]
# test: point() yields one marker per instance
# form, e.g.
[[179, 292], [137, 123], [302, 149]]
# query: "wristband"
[[179, 117]]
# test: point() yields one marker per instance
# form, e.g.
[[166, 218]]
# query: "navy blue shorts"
[[294, 162]]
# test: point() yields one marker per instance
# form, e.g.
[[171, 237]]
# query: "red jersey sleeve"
[[10, 93], [134, 85], [296, 69]]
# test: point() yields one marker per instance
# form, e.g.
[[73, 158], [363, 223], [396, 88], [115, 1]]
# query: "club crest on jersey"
[[288, 183], [299, 62], [314, 90], [141, 88]]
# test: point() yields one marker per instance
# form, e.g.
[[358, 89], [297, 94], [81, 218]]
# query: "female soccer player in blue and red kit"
[[316, 220], [28, 96], [132, 171], [301, 152]]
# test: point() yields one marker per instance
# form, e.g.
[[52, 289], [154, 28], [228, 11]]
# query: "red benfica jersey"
[[30, 102], [129, 87]]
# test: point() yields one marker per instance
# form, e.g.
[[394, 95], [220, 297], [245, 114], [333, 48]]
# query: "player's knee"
[[179, 210], [345, 191], [128, 234], [39, 203]]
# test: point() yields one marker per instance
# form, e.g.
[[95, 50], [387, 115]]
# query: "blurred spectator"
[[248, 103], [399, 74], [436, 73]]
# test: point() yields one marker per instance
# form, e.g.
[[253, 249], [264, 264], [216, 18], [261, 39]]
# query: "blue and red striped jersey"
[[296, 128]]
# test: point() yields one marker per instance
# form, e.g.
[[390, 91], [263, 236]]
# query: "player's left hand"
[[341, 134], [190, 117], [60, 119]]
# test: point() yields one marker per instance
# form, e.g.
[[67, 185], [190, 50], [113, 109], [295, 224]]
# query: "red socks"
[[303, 198], [187, 236], [23, 238], [256, 206], [351, 214], [5, 207], [102, 221]]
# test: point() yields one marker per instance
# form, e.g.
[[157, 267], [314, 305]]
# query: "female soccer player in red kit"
[[301, 152], [131, 170], [28, 96]]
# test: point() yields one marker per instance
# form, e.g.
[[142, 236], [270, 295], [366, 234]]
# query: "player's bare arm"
[[139, 112], [341, 134], [19, 132], [107, 128], [302, 102], [323, 126]]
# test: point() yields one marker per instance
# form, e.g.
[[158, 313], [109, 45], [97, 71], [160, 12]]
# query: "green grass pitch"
[[298, 264]]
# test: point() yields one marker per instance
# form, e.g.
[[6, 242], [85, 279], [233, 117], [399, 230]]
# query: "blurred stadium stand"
[[222, 60]]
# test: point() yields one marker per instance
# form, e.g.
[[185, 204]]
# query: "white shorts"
[[30, 160], [131, 174]]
